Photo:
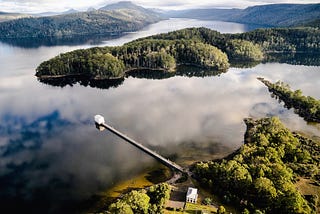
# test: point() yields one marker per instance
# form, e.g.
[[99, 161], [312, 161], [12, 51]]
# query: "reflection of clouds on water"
[[51, 152], [56, 160], [263, 110], [51, 139]]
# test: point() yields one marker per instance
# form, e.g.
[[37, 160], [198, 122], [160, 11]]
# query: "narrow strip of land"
[[305, 106]]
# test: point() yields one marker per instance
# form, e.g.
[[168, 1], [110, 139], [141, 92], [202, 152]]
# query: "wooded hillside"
[[200, 47], [272, 15], [96, 22], [260, 177]]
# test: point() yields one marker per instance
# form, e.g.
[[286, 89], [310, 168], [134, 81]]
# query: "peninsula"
[[305, 106], [267, 173]]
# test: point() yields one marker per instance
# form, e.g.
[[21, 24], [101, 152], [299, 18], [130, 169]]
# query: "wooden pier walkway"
[[155, 155]]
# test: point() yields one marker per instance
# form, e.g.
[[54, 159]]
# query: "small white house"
[[99, 119], [192, 195]]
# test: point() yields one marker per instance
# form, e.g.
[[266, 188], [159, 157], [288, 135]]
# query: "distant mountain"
[[207, 14], [4, 16], [56, 13], [47, 14], [129, 17], [282, 15], [123, 5], [128, 5], [71, 11], [276, 15], [91, 9]]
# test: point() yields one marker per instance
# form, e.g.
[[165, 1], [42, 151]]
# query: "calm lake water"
[[51, 155]]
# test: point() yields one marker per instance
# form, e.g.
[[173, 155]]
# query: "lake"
[[52, 156]]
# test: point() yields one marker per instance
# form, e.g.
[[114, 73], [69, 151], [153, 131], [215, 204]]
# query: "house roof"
[[192, 192]]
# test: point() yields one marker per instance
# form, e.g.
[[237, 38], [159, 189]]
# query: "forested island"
[[305, 106], [200, 47], [114, 62], [262, 176]]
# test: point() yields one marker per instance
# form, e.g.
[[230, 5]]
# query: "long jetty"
[[153, 154]]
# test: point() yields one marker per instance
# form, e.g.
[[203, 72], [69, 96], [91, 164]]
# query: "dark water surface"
[[51, 155]]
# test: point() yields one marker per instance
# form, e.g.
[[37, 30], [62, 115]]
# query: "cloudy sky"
[[35, 6]]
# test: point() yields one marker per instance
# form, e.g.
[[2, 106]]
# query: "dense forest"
[[142, 201], [96, 22], [285, 40], [261, 176], [270, 40], [113, 62], [306, 106], [200, 47]]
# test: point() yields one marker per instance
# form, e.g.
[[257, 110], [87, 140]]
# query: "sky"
[[37, 6]]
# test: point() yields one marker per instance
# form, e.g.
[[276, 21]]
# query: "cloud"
[[56, 5]]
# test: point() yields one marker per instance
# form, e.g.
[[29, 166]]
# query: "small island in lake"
[[199, 47], [152, 54]]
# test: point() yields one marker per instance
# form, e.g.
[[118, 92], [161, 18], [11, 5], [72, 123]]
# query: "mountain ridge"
[[6, 16], [95, 22], [273, 15]]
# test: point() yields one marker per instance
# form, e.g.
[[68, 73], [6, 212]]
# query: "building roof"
[[192, 192], [99, 119]]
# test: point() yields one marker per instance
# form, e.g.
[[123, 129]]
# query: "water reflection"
[[182, 70], [150, 74], [52, 154], [192, 71], [173, 24], [311, 59], [116, 40], [52, 157], [45, 167], [82, 80], [59, 41], [244, 64], [189, 71]]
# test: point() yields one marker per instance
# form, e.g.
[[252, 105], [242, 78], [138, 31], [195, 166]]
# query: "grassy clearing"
[[147, 178], [196, 208], [306, 187], [193, 209], [172, 212]]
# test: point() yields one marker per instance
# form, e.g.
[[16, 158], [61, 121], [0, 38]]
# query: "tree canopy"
[[260, 176], [306, 106], [200, 47], [142, 201]]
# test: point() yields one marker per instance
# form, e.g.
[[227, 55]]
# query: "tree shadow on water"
[[82, 80]]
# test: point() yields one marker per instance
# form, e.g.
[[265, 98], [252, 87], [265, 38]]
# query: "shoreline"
[[143, 179], [89, 77]]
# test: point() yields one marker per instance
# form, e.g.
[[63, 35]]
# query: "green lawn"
[[193, 208]]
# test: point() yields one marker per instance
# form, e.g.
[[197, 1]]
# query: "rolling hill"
[[120, 17], [4, 16], [273, 15]]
